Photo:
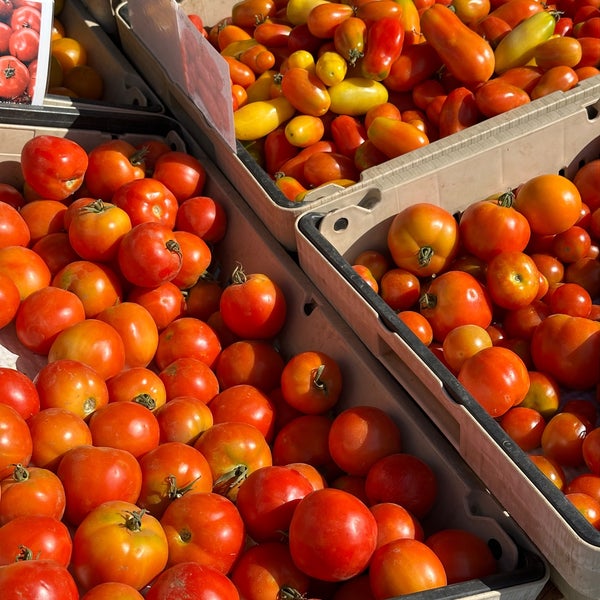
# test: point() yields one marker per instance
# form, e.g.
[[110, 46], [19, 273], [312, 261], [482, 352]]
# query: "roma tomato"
[[395, 138], [255, 120], [53, 167], [356, 95], [332, 535], [118, 542], [93, 475], [459, 111], [385, 39], [305, 92], [423, 239], [498, 96], [416, 63], [33, 578], [496, 377], [466, 54], [323, 19], [349, 39]]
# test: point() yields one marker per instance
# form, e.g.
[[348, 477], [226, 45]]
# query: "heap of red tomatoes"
[[506, 294], [323, 90], [164, 438]]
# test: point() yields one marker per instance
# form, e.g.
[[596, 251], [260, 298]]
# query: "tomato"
[[394, 522], [558, 51], [400, 289], [585, 272], [195, 259], [203, 216], [43, 217], [265, 570], [459, 111], [118, 542], [418, 324], [37, 578], [14, 78], [512, 279], [584, 180], [361, 435], [524, 425], [591, 450], [189, 376], [562, 439], [416, 63], [255, 120], [560, 336], [496, 377], [205, 582], [183, 174], [16, 443], [570, 299], [422, 238], [349, 39], [467, 55], [93, 342], [38, 537], [355, 95], [588, 483], [92, 475], [202, 299], [394, 137], [272, 34], [550, 468], [26, 269], [384, 42], [455, 298], [10, 300], [267, 499], [252, 362], [164, 302], [96, 284], [170, 471], [589, 507], [55, 250], [183, 419], [498, 96], [560, 78], [149, 255], [551, 203], [112, 590], [24, 44], [18, 392], [206, 528], [304, 130], [14, 231], [522, 321], [233, 450], [332, 535], [464, 341], [31, 491]]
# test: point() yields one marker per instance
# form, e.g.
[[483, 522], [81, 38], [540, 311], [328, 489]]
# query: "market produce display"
[[324, 90]]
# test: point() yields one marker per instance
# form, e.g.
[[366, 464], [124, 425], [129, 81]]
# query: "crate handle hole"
[[340, 224], [592, 112], [496, 548]]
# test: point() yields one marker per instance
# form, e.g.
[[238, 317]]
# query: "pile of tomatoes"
[[323, 90], [163, 437], [505, 293]]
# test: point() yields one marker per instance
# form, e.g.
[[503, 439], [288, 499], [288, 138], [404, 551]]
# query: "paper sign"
[[24, 66]]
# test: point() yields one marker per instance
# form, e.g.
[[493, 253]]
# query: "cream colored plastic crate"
[[555, 139], [312, 323]]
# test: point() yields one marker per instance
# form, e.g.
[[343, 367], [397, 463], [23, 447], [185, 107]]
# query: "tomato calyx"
[[238, 276], [133, 519], [174, 492], [427, 300], [425, 255], [25, 553], [290, 593], [20, 473], [230, 481], [96, 206], [173, 246], [146, 400], [507, 199], [317, 380]]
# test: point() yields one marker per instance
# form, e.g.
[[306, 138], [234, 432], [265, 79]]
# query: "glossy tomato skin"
[[19, 391], [332, 535], [53, 167], [34, 578], [512, 279], [15, 230], [16, 444], [118, 542], [182, 173], [112, 590], [27, 269], [385, 39], [206, 583]]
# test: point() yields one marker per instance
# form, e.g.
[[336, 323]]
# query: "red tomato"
[[565, 347], [55, 250], [31, 491], [147, 199], [462, 342], [400, 289], [206, 583], [53, 167], [233, 451], [183, 419], [26, 269], [384, 42], [18, 391], [149, 255], [455, 298], [253, 306], [422, 239], [96, 229], [195, 259], [589, 507], [394, 522], [191, 377], [16, 444], [570, 299], [44, 314], [202, 299], [550, 468], [458, 111], [10, 300], [562, 439], [169, 471], [164, 302], [512, 279], [92, 342], [496, 377], [361, 435], [33, 578], [394, 138], [322, 20], [112, 164], [11, 195], [311, 382], [205, 528], [203, 216], [404, 479], [92, 475], [584, 181], [332, 535], [35, 537], [267, 499], [112, 590], [118, 542], [525, 426], [591, 450], [405, 566], [182, 173], [588, 483], [14, 231], [305, 92]]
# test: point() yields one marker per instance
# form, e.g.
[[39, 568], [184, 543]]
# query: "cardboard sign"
[[24, 67]]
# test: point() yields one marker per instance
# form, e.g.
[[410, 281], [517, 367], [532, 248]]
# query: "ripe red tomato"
[[14, 78], [183, 419], [462, 342], [203, 216], [332, 535], [10, 300], [15, 230], [111, 590], [395, 522], [591, 450], [570, 299], [524, 425], [52, 166], [92, 475], [118, 542], [196, 257], [16, 444], [18, 391], [496, 377], [182, 173], [267, 499], [361, 435], [512, 279], [28, 491], [253, 306], [190, 377], [26, 269], [562, 439], [44, 314], [35, 578], [588, 506], [164, 302]]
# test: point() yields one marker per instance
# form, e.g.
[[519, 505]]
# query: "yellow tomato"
[[331, 68], [302, 59], [297, 10], [257, 119], [356, 95], [261, 88], [69, 52]]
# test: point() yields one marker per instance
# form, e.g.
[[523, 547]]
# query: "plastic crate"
[[556, 139], [234, 160], [124, 87], [312, 324]]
